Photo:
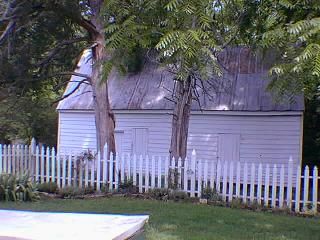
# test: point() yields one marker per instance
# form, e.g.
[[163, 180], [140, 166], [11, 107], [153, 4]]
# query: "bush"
[[159, 194], [127, 187], [211, 194], [70, 192], [14, 188], [178, 195], [49, 187]]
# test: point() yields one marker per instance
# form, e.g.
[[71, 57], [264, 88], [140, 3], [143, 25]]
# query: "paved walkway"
[[18, 225]]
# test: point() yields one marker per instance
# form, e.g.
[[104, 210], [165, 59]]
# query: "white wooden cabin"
[[238, 119]]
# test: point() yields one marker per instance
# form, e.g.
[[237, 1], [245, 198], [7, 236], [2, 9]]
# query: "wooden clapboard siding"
[[263, 138]]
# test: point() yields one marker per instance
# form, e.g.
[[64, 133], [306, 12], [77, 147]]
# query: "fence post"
[[274, 186], [289, 184], [1, 158], [259, 188], [32, 157], [104, 164], [193, 170], [159, 172], [252, 182], [315, 189], [305, 187], [53, 165], [298, 187]]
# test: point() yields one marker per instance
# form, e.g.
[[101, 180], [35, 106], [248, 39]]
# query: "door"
[[140, 141], [229, 147]]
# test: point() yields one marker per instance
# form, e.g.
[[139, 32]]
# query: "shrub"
[[178, 195], [14, 188], [159, 194], [49, 187], [70, 192], [127, 186], [211, 194]]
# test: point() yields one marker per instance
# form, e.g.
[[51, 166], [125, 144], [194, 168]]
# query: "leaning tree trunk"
[[104, 117], [180, 119]]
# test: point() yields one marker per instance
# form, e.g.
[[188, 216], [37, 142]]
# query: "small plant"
[[88, 190], [177, 195], [237, 203], [49, 187], [127, 186], [13, 188], [159, 194], [86, 157], [70, 192], [211, 194]]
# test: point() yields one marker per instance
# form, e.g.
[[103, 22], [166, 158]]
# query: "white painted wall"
[[266, 139]]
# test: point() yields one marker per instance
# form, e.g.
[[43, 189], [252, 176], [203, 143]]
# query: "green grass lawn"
[[189, 221]]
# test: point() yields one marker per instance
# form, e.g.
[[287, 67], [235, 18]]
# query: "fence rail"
[[268, 185]]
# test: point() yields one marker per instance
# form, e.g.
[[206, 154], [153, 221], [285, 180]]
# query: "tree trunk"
[[180, 119], [104, 117]]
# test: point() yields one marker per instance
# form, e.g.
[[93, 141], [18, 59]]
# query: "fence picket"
[[245, 181], [289, 184], [252, 182], [298, 187], [179, 173], [266, 186], [199, 178], [69, 169], [53, 165], [92, 175], [259, 188], [193, 173], [281, 194], [13, 159], [116, 174], [212, 174], [224, 180], [86, 174], [134, 173], [37, 164], [42, 164], [47, 164], [218, 181], [98, 179], [58, 169], [185, 175], [122, 168], [146, 175], [17, 155], [111, 167], [230, 182], [129, 168], [238, 180], [159, 172], [104, 165], [205, 174], [4, 159], [315, 189], [153, 173], [274, 186], [140, 173], [166, 172], [64, 170], [1, 161], [9, 158], [306, 188]]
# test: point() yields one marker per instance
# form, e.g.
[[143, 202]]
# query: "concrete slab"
[[26, 225]]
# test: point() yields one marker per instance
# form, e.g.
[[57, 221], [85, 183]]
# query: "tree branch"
[[56, 49], [7, 31]]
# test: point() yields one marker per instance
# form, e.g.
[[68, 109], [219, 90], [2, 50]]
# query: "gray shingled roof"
[[242, 88]]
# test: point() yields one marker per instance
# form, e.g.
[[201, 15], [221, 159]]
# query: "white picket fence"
[[271, 186]]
